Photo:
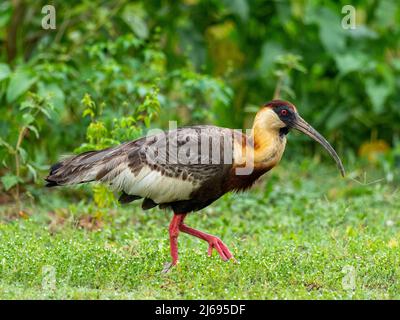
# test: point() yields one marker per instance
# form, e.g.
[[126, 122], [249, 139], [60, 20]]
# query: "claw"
[[167, 267]]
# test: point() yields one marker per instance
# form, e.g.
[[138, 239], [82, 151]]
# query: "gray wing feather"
[[180, 154]]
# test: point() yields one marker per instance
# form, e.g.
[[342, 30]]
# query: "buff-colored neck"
[[264, 147], [268, 143]]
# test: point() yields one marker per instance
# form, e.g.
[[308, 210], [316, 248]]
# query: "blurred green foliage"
[[111, 69]]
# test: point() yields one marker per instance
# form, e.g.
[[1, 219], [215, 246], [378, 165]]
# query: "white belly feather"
[[149, 183]]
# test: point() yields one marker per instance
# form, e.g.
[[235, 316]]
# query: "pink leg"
[[176, 222], [214, 242]]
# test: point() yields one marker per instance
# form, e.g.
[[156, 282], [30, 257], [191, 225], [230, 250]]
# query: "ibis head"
[[286, 118]]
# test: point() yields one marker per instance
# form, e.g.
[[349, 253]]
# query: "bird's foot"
[[217, 244], [168, 267]]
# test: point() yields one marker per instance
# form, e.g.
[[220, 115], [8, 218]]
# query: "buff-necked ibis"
[[187, 169]]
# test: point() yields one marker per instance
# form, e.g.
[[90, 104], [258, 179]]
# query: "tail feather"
[[85, 167], [50, 184]]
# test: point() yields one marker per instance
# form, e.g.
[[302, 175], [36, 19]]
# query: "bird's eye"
[[284, 112]]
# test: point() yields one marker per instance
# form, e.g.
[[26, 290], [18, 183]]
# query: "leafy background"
[[113, 69], [132, 65], [141, 64]]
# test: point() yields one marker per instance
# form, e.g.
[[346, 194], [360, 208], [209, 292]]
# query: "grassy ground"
[[304, 233]]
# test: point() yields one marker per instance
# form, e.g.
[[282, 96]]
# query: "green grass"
[[296, 236]]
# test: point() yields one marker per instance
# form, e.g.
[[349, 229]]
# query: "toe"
[[210, 248], [168, 266], [220, 251], [226, 251]]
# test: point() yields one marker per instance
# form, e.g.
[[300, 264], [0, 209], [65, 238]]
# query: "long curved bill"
[[300, 124]]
